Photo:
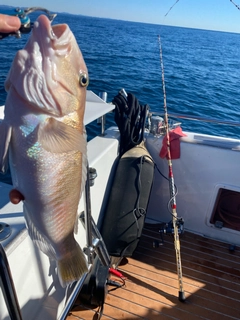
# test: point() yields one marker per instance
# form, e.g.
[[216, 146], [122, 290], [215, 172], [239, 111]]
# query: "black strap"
[[130, 118]]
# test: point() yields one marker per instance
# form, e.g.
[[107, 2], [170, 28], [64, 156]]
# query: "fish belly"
[[51, 184]]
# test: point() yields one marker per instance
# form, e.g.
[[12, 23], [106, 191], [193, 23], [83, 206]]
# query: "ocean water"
[[201, 68]]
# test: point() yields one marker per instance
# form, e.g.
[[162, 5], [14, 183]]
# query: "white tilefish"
[[43, 136]]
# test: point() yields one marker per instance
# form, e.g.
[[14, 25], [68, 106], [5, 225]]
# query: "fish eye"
[[83, 80]]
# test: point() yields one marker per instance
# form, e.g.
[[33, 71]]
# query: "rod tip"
[[181, 296]]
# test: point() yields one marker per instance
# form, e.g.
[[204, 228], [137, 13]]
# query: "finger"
[[15, 196], [9, 23]]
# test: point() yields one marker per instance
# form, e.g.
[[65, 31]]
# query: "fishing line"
[[172, 7], [181, 295], [236, 5], [175, 187]]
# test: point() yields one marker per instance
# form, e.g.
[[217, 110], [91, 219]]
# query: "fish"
[[43, 139]]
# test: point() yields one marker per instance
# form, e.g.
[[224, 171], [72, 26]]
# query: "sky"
[[219, 15]]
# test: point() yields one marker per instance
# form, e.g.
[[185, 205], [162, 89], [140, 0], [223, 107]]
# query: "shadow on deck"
[[211, 279]]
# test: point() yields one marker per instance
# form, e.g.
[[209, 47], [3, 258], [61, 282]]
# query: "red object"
[[116, 272], [174, 136]]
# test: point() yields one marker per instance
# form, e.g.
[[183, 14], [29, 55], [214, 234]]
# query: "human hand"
[[15, 196], [9, 23]]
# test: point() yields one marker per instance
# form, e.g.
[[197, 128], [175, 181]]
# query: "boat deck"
[[211, 278]]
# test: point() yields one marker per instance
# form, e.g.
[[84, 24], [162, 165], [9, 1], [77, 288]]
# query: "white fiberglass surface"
[[198, 174]]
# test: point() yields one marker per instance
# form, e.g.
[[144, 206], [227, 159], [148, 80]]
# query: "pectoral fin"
[[58, 137], [5, 137]]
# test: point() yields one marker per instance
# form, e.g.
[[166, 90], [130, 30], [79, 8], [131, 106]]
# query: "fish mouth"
[[59, 30], [57, 33]]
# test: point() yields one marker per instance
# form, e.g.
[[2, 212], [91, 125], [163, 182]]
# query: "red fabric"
[[174, 136]]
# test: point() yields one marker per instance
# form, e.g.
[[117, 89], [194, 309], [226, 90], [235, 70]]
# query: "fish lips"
[[58, 35]]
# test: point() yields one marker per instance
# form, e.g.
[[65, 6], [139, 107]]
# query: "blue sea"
[[201, 68]]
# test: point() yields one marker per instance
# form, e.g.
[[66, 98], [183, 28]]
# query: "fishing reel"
[[26, 24], [168, 228]]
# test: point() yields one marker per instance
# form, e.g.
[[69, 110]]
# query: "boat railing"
[[203, 119], [8, 288], [94, 245]]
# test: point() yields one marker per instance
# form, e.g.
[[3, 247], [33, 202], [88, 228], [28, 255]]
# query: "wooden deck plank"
[[214, 284], [172, 282], [167, 292], [192, 245], [211, 271], [211, 278], [134, 306]]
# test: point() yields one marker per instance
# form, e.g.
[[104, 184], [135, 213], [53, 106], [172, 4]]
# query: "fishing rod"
[[171, 8], [236, 5], [173, 203]]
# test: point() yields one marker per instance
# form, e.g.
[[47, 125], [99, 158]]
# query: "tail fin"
[[72, 267]]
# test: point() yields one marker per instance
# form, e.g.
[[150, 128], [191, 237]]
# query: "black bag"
[[126, 209]]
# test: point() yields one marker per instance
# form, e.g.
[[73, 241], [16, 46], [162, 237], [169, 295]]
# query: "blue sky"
[[204, 14]]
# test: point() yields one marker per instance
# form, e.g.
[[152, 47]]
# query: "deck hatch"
[[226, 211]]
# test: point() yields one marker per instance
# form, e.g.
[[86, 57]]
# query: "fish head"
[[49, 74]]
